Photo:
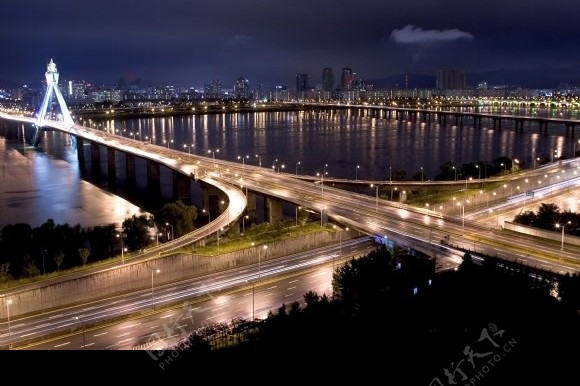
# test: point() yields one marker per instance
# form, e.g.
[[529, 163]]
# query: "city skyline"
[[188, 44]]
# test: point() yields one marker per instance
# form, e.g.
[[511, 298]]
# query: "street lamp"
[[172, 234], [167, 142], [455, 170], [218, 239], [478, 172], [152, 287], [462, 215], [244, 223], [259, 157], [8, 303], [322, 184], [297, 209], [377, 197], [297, 163], [563, 226], [264, 247], [339, 245], [243, 160], [421, 174], [212, 152], [356, 172], [502, 164], [83, 326], [121, 237], [188, 149]]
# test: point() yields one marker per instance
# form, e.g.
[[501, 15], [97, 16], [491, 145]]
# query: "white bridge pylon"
[[52, 88]]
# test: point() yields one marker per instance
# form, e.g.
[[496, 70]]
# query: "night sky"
[[189, 42]]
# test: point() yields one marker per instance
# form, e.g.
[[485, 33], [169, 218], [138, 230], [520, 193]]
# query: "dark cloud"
[[414, 35], [188, 43]]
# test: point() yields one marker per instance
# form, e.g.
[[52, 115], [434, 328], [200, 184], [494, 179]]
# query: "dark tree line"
[[391, 317], [27, 252], [550, 217]]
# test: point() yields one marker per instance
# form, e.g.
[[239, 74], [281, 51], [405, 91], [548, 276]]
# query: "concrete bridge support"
[[95, 158], [130, 173], [81, 152], [251, 205], [211, 200], [111, 166], [153, 180], [181, 187], [273, 210]]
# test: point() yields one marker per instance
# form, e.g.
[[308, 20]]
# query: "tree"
[[547, 216], [137, 230], [84, 254], [58, 258], [182, 217]]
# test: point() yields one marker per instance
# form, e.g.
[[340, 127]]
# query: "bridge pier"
[[130, 173], [111, 167], [81, 152], [153, 180], [497, 123], [95, 159], [181, 187], [570, 129], [251, 205], [273, 210]]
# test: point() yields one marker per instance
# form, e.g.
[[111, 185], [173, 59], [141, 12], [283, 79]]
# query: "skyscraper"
[[302, 83], [346, 79], [327, 79], [242, 88]]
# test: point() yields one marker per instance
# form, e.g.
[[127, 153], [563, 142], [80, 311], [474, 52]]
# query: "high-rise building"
[[346, 79], [242, 88], [450, 80], [213, 89], [327, 79], [302, 82]]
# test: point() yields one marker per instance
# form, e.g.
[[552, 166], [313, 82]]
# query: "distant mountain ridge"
[[532, 78]]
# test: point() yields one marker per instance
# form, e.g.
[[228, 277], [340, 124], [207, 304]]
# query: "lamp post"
[[322, 184], [172, 234], [563, 226], [356, 172], [339, 246], [167, 142], [259, 157], [455, 170], [218, 240], [264, 247], [297, 209], [377, 197], [297, 163], [152, 286], [188, 149], [243, 160], [502, 164], [391, 176], [8, 303], [421, 174], [244, 224], [212, 152], [83, 327], [121, 237]]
